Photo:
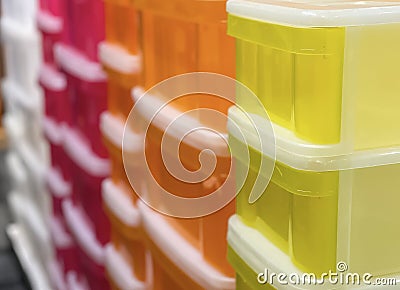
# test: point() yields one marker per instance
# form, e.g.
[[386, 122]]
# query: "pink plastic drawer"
[[54, 85], [51, 28], [89, 171], [54, 7], [59, 190], [53, 132], [91, 252], [86, 25], [66, 250], [94, 273], [87, 93]]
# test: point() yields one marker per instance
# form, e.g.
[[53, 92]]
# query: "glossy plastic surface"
[[126, 238], [207, 234], [88, 172], [20, 11], [122, 25], [54, 7], [175, 46], [175, 261], [54, 85], [21, 53], [86, 26], [312, 80], [309, 216]]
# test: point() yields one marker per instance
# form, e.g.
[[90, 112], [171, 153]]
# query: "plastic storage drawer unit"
[[196, 41], [122, 25], [66, 251], [206, 233], [252, 255], [56, 8], [85, 26], [87, 92], [120, 274], [123, 74], [176, 263], [113, 134], [54, 86], [90, 251], [126, 233], [21, 53], [320, 209], [311, 64], [51, 29], [59, 190], [25, 106], [88, 172], [59, 159], [20, 11]]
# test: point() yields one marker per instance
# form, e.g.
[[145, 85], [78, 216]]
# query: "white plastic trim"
[[52, 79], [118, 58], [30, 101], [60, 237], [149, 107], [115, 130], [58, 186], [73, 283], [56, 275], [53, 131], [120, 271], [33, 162], [78, 65], [82, 233], [259, 254], [49, 23], [17, 171], [120, 204], [303, 155], [13, 31], [83, 156], [318, 14], [181, 252]]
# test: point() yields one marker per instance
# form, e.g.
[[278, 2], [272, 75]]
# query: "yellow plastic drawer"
[[296, 73], [297, 211], [320, 209], [324, 71]]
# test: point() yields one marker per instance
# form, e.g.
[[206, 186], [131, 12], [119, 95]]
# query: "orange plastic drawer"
[[112, 129], [126, 234], [122, 21], [122, 69], [205, 230], [174, 46], [176, 263]]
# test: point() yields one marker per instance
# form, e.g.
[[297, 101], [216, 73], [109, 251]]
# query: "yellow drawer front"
[[297, 211], [295, 72]]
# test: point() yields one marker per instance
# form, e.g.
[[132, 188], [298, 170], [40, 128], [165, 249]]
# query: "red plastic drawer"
[[87, 93], [86, 25], [59, 190], [54, 85], [89, 170], [54, 7], [53, 132], [51, 28], [90, 251], [66, 250]]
